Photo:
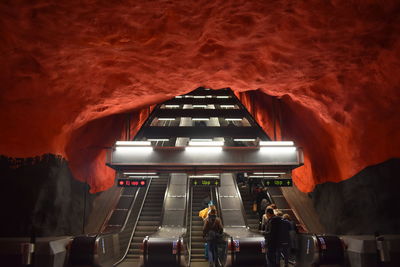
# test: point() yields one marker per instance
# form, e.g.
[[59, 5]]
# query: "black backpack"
[[212, 235]]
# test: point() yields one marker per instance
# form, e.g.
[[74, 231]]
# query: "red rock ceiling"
[[70, 69]]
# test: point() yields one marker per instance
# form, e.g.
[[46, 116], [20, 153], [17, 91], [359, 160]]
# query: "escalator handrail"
[[268, 194], [216, 201], [190, 225], [130, 210], [134, 227], [101, 232], [165, 197], [187, 202], [294, 212]]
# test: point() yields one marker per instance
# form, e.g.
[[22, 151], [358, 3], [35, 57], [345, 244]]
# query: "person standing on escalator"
[[262, 203], [212, 232], [272, 239]]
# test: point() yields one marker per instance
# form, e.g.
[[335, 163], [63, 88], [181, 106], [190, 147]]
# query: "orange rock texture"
[[71, 71]]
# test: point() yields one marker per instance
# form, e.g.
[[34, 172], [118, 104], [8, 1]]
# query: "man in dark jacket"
[[212, 231], [272, 238]]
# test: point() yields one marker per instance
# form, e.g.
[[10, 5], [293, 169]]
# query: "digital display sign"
[[132, 182], [205, 182], [279, 182]]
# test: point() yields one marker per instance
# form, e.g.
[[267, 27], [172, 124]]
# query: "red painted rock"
[[70, 70]]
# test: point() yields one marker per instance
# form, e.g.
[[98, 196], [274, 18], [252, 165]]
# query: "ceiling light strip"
[[207, 143], [140, 173], [276, 143], [133, 143]]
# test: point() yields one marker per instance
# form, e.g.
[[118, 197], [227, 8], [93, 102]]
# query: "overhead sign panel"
[[205, 182], [132, 183], [279, 182]]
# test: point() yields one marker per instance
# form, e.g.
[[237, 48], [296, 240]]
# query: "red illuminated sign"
[[131, 183]]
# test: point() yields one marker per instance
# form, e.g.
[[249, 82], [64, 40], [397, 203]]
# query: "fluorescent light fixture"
[[262, 173], [147, 176], [166, 119], [203, 149], [199, 96], [140, 173], [203, 176], [201, 140], [178, 96], [134, 149], [188, 96], [276, 143], [227, 106], [206, 143], [223, 96], [200, 119], [278, 149], [158, 140], [263, 176], [233, 119], [208, 96], [172, 106], [244, 140], [133, 143], [199, 106]]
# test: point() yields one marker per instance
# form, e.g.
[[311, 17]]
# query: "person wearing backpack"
[[212, 231]]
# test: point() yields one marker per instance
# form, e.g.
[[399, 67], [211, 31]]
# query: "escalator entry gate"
[[162, 251]]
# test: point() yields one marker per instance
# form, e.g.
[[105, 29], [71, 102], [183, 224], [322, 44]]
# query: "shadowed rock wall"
[[368, 202], [41, 193]]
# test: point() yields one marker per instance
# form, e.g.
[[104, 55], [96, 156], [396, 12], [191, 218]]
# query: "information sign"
[[205, 182], [132, 182], [279, 182]]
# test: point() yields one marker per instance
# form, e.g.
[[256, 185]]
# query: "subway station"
[[199, 133]]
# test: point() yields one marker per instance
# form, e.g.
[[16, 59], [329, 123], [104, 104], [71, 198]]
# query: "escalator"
[[245, 247], [149, 219], [197, 241], [277, 197], [251, 216]]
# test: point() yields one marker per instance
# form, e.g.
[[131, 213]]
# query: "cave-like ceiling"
[[68, 68]]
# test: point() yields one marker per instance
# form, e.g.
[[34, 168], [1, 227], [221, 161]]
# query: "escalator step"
[[148, 223]]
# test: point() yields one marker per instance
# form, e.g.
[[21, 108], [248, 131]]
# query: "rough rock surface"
[[364, 204], [69, 70], [54, 204]]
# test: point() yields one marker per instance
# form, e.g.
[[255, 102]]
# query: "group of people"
[[280, 235], [279, 230]]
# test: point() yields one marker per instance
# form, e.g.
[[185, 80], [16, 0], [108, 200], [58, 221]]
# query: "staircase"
[[251, 216], [150, 217], [197, 246]]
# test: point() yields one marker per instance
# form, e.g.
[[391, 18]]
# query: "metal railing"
[[190, 217]]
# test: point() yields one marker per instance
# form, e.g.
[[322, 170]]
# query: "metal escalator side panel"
[[174, 207], [164, 246], [231, 207]]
